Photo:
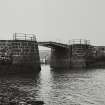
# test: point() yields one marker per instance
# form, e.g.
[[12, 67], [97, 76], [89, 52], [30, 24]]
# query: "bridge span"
[[79, 53], [55, 45]]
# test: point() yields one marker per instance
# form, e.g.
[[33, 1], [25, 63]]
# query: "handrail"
[[79, 41], [22, 36]]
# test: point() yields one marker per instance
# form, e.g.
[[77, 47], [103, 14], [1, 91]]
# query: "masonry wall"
[[60, 58], [24, 55], [81, 55], [76, 56]]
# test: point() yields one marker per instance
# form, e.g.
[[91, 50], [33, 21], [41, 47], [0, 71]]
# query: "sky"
[[54, 20]]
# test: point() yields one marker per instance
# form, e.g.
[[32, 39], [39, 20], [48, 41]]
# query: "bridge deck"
[[51, 44]]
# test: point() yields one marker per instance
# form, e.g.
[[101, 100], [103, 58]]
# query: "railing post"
[[25, 36]]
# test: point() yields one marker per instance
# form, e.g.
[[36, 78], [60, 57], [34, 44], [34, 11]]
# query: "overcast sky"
[[53, 20]]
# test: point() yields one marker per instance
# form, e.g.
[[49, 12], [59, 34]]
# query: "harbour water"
[[61, 87]]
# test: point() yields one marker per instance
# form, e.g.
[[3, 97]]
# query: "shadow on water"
[[73, 70], [19, 88]]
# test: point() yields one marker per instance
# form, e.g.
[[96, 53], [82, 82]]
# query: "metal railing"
[[79, 41], [22, 36]]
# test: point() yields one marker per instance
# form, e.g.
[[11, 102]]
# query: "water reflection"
[[63, 87], [78, 87]]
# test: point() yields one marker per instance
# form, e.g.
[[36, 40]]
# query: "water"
[[80, 87]]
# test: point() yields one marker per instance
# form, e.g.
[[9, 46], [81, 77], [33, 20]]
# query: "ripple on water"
[[61, 87]]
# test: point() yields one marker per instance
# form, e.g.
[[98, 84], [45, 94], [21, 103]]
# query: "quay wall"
[[24, 56], [98, 58], [81, 55], [78, 56], [75, 56]]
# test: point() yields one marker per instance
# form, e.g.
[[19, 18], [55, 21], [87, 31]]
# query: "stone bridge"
[[75, 54]]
